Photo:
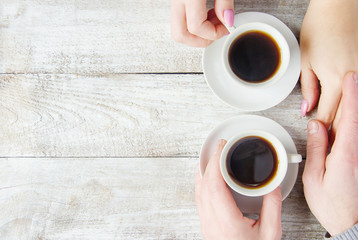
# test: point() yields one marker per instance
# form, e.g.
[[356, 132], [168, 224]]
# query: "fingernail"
[[304, 107], [218, 145], [355, 77], [222, 142], [312, 127], [229, 17]]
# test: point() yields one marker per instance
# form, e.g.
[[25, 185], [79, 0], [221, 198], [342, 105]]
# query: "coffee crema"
[[252, 162], [254, 56]]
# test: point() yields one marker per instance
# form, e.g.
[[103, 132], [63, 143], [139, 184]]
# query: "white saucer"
[[251, 99], [228, 129]]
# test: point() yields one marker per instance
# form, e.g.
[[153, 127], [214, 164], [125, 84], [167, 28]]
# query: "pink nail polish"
[[229, 17], [304, 108]]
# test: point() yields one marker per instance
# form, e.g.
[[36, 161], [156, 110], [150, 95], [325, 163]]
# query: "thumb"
[[347, 131], [224, 10], [317, 142], [270, 218], [310, 90]]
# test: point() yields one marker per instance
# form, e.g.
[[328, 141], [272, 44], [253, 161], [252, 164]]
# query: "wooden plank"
[[119, 115], [115, 198], [100, 37]]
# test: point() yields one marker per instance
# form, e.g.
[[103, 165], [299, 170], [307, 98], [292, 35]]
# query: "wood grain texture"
[[115, 198], [119, 115], [102, 120], [100, 37]]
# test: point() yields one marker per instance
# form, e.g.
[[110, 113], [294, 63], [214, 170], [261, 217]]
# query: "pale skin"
[[219, 216], [329, 49], [328, 40], [193, 25], [330, 182]]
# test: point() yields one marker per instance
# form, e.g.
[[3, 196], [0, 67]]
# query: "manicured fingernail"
[[229, 17], [304, 107], [355, 77], [312, 127]]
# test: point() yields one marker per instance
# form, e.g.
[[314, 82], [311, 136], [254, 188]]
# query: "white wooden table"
[[102, 117]]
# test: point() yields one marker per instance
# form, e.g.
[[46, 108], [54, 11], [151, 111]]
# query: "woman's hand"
[[329, 47], [191, 24]]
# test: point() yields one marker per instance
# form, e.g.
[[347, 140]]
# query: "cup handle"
[[294, 158], [230, 29]]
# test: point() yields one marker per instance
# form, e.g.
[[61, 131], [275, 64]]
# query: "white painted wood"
[[114, 198], [98, 199], [119, 115], [100, 37], [92, 148]]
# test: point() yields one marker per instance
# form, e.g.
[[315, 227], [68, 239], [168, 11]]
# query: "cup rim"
[[281, 167], [271, 31]]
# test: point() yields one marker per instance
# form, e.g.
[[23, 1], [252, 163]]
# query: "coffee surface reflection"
[[254, 56], [252, 162]]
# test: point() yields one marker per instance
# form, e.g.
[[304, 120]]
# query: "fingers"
[[217, 188], [270, 218], [309, 88], [347, 132], [179, 27], [197, 185], [317, 141], [335, 124], [217, 192], [213, 18], [198, 23], [198, 191], [224, 9], [213, 167], [328, 104]]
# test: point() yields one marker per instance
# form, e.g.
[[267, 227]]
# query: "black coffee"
[[254, 56], [252, 162]]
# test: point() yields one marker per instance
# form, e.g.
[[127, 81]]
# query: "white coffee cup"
[[283, 159], [275, 35]]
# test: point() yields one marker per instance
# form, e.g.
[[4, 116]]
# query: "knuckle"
[[277, 200], [313, 147], [215, 35], [193, 27], [308, 89], [307, 179]]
